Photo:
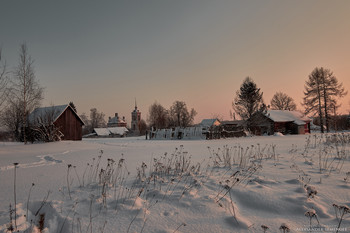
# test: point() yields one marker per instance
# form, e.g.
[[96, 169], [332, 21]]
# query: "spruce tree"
[[248, 100]]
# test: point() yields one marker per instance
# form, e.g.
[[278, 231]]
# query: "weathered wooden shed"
[[282, 121], [63, 117]]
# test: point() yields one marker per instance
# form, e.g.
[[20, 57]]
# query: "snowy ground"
[[231, 185]]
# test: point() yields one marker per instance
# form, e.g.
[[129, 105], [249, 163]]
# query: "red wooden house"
[[282, 121], [63, 117]]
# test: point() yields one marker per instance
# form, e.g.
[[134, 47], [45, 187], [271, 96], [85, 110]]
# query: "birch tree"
[[25, 93]]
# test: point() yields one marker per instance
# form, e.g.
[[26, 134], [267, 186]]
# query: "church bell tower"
[[135, 119]]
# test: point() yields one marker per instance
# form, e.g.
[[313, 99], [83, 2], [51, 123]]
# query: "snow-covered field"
[[134, 185]]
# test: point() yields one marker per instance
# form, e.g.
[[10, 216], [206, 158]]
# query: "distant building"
[[109, 132], [209, 123], [233, 128], [63, 117], [211, 128], [178, 133], [282, 121], [116, 121], [135, 120]]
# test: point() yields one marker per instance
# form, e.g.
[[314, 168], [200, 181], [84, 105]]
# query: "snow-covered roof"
[[118, 130], [210, 122], [110, 131], [102, 131], [46, 114], [287, 116]]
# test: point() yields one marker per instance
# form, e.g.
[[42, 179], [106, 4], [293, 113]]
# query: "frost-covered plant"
[[294, 149], [182, 224], [43, 203], [76, 173], [41, 223], [304, 180], [14, 192], [68, 183], [311, 214], [311, 191], [243, 157], [10, 227], [284, 228], [30, 190], [264, 228], [342, 210], [347, 178]]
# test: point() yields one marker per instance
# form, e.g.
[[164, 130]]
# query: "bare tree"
[[219, 116], [97, 119], [158, 116], [321, 92], [281, 101], [142, 127], [86, 120], [41, 125], [25, 93], [180, 116], [3, 81], [12, 120]]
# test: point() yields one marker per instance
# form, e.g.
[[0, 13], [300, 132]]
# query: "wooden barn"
[[63, 117], [232, 128], [282, 121]]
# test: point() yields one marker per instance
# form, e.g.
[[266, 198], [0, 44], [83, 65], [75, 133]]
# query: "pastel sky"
[[104, 54]]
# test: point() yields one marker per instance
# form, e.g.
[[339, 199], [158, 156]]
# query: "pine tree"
[[72, 105], [248, 100]]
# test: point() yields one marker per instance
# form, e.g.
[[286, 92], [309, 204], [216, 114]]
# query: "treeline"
[[177, 115], [21, 93], [322, 91]]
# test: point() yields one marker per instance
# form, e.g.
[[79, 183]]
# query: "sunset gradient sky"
[[104, 54]]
